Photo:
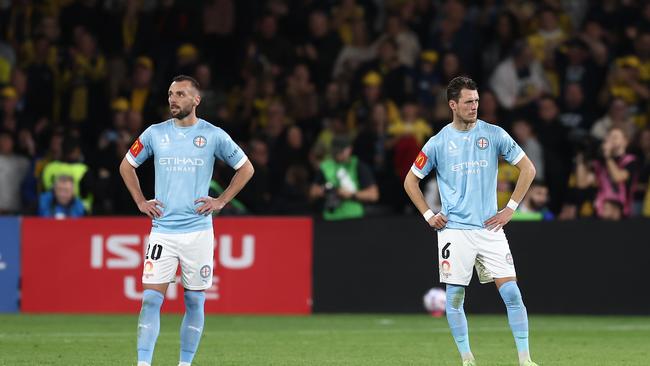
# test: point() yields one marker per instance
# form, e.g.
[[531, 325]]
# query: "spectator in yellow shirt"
[[411, 124]]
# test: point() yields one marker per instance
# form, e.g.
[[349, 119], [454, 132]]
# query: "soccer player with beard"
[[535, 203], [185, 148], [465, 156]]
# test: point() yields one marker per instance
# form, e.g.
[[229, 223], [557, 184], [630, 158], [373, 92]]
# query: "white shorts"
[[461, 250], [195, 251]]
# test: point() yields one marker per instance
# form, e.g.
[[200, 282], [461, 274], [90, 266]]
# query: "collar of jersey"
[[451, 126], [184, 129]]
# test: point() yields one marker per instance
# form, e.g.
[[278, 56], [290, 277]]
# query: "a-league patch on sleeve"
[[421, 160], [136, 148]]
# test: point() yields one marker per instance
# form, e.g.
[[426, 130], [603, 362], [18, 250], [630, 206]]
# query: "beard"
[[468, 120], [537, 205], [181, 113]]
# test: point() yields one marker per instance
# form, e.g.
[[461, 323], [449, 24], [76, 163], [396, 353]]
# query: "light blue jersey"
[[184, 159], [466, 168]]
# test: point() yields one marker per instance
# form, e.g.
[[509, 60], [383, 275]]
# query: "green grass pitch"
[[382, 339]]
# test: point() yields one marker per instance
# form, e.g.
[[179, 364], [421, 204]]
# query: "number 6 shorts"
[[459, 251], [194, 251]]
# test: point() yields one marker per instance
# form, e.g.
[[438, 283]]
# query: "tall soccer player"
[[184, 148], [465, 154]]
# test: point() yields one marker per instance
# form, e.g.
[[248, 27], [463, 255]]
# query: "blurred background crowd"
[[331, 100]]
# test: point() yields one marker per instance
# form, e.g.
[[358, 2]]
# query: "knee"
[[510, 293], [152, 299], [194, 300], [455, 298]]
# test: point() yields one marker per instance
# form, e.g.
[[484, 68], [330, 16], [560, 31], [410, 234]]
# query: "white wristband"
[[512, 204], [427, 215]]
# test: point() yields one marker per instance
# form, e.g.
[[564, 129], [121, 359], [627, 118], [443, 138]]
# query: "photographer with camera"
[[344, 183], [614, 173]]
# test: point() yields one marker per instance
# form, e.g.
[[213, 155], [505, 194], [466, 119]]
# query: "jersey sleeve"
[[229, 152], [507, 147], [141, 149], [425, 161]]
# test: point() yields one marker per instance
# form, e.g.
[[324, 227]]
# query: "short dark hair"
[[457, 84], [187, 78]]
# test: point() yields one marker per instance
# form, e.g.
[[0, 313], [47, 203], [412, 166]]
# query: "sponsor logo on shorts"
[[509, 259], [205, 271], [445, 269], [148, 269], [148, 266]]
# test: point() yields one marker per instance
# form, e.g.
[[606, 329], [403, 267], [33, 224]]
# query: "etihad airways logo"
[[180, 164], [469, 167]]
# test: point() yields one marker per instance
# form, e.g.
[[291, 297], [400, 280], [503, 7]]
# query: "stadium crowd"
[[295, 81]]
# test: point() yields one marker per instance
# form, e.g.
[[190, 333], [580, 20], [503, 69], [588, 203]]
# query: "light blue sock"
[[192, 326], [457, 320], [149, 324], [517, 317]]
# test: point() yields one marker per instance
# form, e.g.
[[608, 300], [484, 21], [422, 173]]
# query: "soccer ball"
[[434, 301]]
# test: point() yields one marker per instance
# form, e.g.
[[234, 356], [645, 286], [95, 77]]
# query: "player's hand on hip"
[[438, 221], [499, 220], [150, 208], [209, 205]]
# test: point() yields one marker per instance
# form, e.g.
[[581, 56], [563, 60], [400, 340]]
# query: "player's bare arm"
[[368, 194], [526, 175], [130, 177], [238, 181], [412, 188]]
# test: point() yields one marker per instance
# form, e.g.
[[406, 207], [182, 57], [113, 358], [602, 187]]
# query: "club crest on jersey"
[[421, 160], [200, 141], [482, 143], [136, 148]]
